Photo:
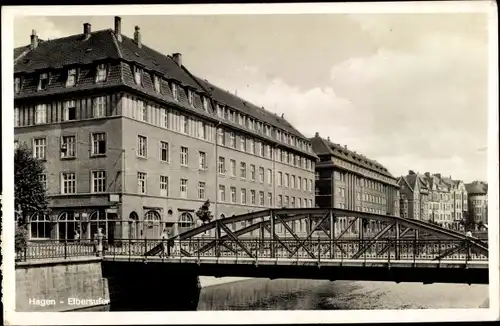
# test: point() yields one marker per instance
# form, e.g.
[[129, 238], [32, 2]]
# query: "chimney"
[[137, 36], [345, 146], [86, 31], [438, 175], [177, 57], [411, 172], [316, 134], [34, 40], [118, 28], [328, 138], [427, 174]]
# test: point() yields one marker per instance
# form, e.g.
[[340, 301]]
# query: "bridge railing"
[[382, 249], [387, 249], [48, 249]]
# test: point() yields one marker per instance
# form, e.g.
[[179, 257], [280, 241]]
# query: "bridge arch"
[[321, 223]]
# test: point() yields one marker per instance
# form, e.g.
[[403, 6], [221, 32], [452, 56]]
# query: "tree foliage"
[[29, 191], [204, 213], [21, 238], [468, 221]]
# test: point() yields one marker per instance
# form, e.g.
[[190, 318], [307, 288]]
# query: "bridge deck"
[[305, 262]]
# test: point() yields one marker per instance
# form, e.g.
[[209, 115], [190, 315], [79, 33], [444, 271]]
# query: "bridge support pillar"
[[138, 286]]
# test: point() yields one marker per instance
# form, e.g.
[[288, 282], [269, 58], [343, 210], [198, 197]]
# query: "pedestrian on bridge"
[[164, 243]]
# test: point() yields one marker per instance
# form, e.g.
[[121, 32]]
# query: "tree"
[[468, 221], [204, 213], [29, 191]]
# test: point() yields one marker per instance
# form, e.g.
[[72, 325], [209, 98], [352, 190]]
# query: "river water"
[[264, 294], [281, 294]]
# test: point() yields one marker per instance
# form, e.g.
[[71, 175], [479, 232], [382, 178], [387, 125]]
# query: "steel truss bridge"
[[337, 244]]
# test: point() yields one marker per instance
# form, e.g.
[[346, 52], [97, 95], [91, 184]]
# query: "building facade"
[[350, 181], [434, 198], [478, 201], [133, 142]]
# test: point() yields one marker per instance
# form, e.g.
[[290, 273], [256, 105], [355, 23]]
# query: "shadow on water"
[[289, 294]]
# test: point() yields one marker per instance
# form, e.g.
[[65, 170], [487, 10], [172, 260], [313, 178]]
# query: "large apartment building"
[[132, 139], [347, 180], [478, 201], [432, 197]]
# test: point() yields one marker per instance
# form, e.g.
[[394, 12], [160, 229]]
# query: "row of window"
[[435, 196], [68, 147], [361, 182], [101, 74], [435, 206], [291, 181], [366, 197], [173, 120], [260, 127], [69, 182], [246, 196], [224, 112], [142, 151], [69, 111]]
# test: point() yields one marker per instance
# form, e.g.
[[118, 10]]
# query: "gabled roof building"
[[432, 197], [130, 134]]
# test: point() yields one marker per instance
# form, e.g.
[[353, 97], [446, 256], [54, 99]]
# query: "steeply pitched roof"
[[155, 61], [404, 180], [322, 146], [248, 108], [73, 49], [103, 44], [477, 188]]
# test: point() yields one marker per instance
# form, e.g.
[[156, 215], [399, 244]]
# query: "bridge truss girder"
[[393, 234]]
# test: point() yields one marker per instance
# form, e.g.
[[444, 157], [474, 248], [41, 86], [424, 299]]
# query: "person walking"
[[468, 234], [164, 238]]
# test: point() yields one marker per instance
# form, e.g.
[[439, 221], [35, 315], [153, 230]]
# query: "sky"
[[407, 90]]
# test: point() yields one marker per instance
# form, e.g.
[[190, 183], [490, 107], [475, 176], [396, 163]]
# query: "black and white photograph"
[[203, 160]]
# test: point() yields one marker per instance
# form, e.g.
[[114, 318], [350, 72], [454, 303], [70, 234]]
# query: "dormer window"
[[250, 124], [220, 111], [69, 111], [175, 92], [205, 103], [17, 85], [102, 73], [190, 97], [230, 115], [71, 81], [138, 75], [43, 81], [157, 84]]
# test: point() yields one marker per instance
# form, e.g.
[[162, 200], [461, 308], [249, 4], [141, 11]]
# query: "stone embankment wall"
[[49, 286]]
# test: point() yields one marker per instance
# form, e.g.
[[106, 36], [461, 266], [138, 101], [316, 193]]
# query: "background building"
[[131, 135], [434, 198], [478, 201], [351, 181]]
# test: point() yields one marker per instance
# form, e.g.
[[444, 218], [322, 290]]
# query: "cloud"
[[421, 107], [44, 28]]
